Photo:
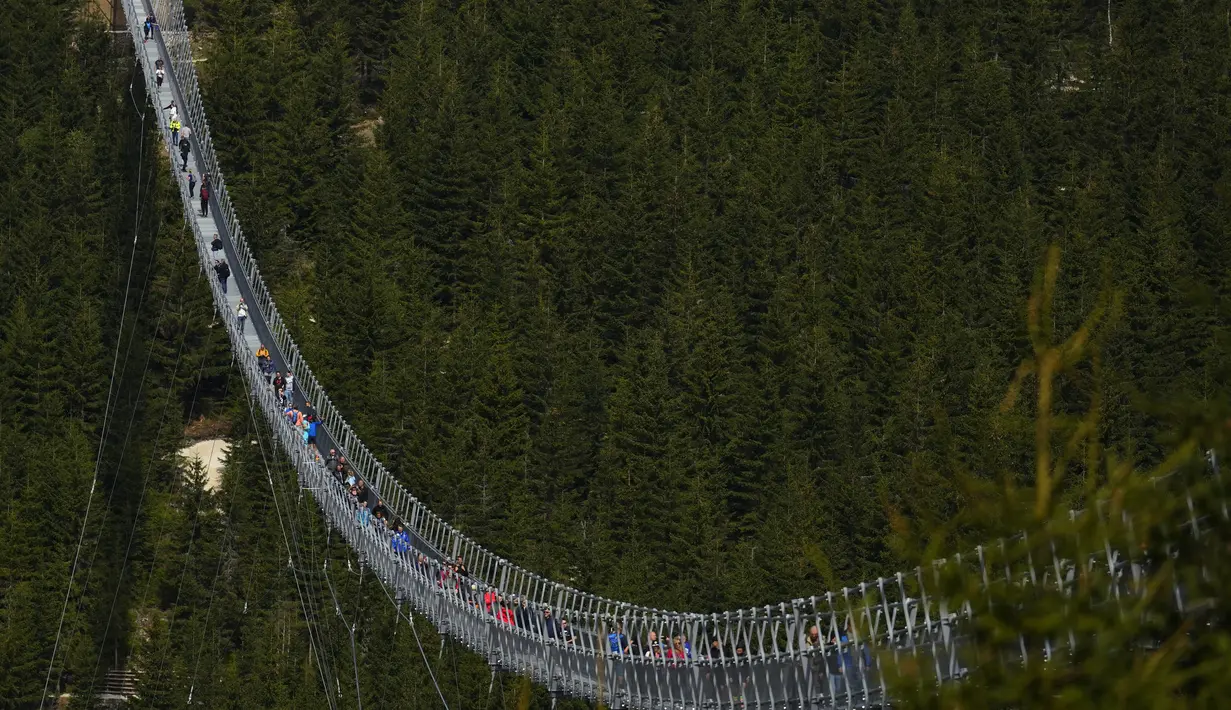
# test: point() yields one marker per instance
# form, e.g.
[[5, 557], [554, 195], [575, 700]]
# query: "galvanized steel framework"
[[777, 665]]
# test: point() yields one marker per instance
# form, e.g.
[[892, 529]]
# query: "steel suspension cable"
[[222, 556], [350, 627], [313, 604], [136, 400], [115, 358], [144, 487], [286, 541], [162, 527], [423, 654]]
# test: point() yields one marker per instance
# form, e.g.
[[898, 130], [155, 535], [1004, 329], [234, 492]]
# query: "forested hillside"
[[680, 301], [107, 349], [77, 183], [189, 588], [688, 304]]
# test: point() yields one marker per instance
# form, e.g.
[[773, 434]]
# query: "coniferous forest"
[[650, 295], [692, 304]]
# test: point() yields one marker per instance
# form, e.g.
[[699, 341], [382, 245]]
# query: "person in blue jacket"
[[401, 541], [619, 642]]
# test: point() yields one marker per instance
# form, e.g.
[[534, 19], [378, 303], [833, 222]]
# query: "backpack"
[[204, 193], [185, 145]]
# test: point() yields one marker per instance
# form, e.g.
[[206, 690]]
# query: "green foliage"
[[1119, 605], [824, 218], [693, 304]]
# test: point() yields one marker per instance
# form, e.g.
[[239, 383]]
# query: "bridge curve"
[[755, 657]]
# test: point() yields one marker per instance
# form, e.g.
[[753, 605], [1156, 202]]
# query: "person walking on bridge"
[[267, 364], [241, 315], [185, 147], [204, 198], [192, 190], [222, 270], [149, 26], [290, 387], [174, 125], [174, 114], [159, 75]]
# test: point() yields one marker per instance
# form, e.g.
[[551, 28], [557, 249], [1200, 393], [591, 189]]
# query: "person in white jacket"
[[241, 315]]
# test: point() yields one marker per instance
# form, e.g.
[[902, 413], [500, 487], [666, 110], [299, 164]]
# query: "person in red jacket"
[[505, 614]]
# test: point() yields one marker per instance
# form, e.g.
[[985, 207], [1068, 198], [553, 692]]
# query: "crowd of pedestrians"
[[181, 138], [451, 576]]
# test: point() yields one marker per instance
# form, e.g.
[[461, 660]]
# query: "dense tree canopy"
[[695, 304], [719, 281]]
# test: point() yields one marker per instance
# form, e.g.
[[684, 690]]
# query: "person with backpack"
[[223, 270], [149, 26], [204, 199]]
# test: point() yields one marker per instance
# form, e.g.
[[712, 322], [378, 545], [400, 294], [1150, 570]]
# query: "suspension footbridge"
[[828, 650]]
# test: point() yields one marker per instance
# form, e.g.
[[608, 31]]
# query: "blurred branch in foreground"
[[1121, 604]]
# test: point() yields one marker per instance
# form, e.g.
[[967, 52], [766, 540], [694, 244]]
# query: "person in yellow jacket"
[[175, 130], [263, 361]]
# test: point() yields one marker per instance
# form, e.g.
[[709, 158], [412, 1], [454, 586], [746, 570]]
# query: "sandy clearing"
[[210, 452]]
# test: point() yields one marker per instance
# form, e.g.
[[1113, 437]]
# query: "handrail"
[[764, 655]]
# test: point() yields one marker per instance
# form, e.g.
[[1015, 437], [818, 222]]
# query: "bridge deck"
[[213, 224]]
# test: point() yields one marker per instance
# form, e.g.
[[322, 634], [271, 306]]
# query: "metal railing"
[[764, 656]]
